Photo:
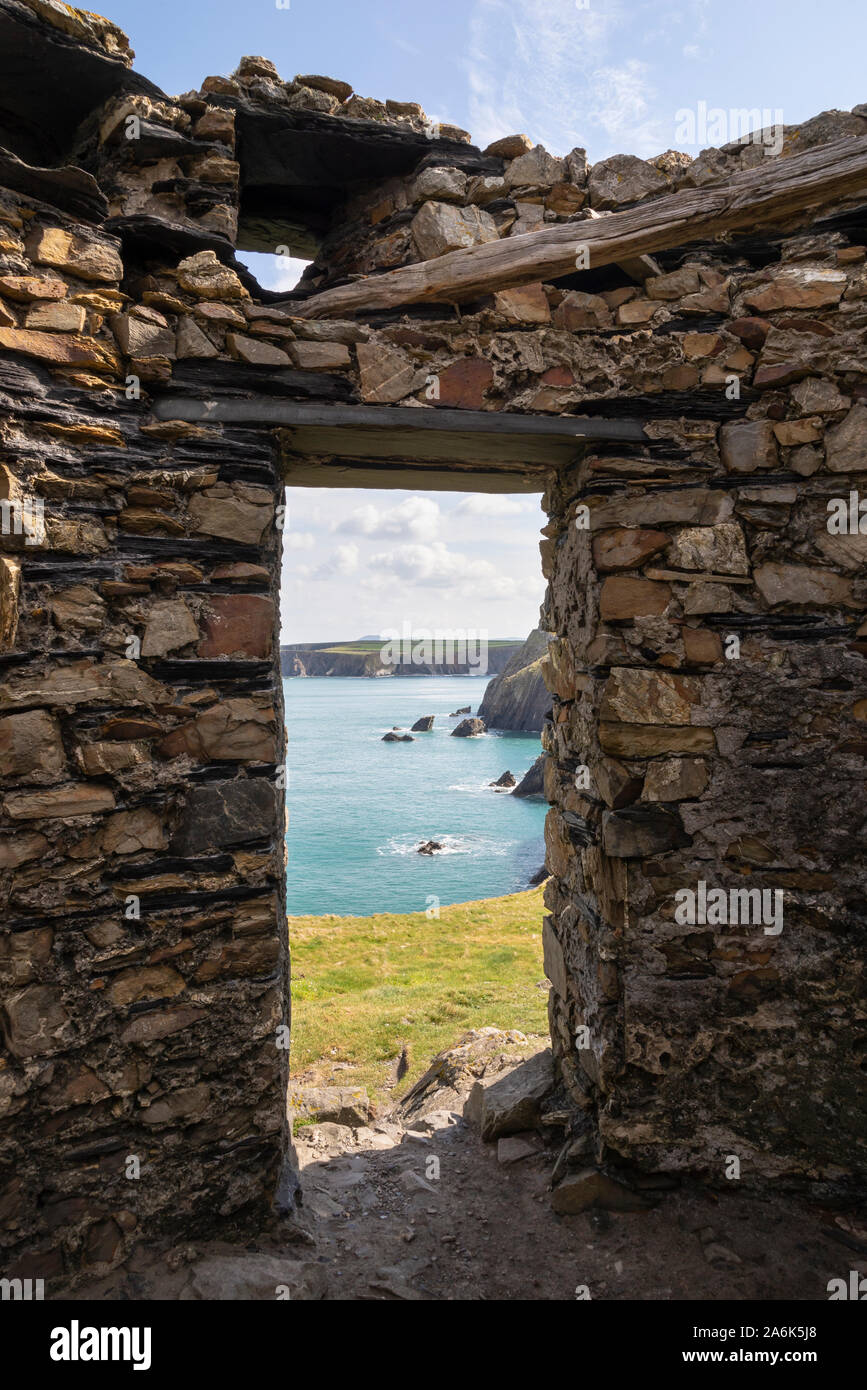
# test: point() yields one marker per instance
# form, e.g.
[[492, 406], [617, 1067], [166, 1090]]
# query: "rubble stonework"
[[143, 952]]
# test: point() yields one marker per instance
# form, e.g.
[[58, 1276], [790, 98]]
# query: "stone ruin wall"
[[147, 779]]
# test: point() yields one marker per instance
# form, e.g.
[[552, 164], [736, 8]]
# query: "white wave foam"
[[474, 846]]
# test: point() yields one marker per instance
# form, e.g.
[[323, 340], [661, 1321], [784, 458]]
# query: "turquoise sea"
[[358, 807]]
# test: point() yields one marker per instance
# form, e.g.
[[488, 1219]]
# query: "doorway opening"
[[415, 844]]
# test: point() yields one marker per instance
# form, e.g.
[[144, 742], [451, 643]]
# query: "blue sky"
[[610, 75]]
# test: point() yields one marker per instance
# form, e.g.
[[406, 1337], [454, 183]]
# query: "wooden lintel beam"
[[640, 267], [328, 445], [763, 196], [385, 418], [409, 476]]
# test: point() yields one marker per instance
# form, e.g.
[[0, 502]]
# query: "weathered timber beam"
[[325, 445], [395, 417], [639, 268], [410, 476], [762, 196]]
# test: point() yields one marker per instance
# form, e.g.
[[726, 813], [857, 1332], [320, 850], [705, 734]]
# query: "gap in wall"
[[394, 951]]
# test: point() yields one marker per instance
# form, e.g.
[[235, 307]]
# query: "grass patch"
[[362, 987]]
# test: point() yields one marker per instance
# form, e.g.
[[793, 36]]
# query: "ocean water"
[[358, 807]]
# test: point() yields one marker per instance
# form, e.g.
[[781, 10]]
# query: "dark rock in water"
[[533, 781], [455, 714], [398, 738], [430, 847], [423, 725], [469, 728], [507, 780], [539, 877]]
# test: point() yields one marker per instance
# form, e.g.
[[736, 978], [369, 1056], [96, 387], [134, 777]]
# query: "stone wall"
[[143, 956], [708, 682], [143, 952]]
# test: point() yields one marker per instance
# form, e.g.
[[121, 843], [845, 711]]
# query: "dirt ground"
[[486, 1230], [415, 1206]]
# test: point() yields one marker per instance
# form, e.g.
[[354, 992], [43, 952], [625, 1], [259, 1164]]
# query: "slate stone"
[[511, 1103], [748, 446], [590, 1188], [464, 383], [554, 963], [440, 227], [624, 179], [226, 813], [637, 831], [846, 444]]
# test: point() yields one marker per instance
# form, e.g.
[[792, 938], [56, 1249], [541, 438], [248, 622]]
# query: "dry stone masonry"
[[689, 415]]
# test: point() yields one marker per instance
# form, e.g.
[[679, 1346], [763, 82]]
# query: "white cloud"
[[343, 561], [489, 504], [274, 272], [416, 517], [544, 51], [404, 44], [621, 97], [567, 76], [298, 540], [435, 566], [389, 563]]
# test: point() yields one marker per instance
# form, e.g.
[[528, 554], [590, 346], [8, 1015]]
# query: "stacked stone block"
[[707, 669]]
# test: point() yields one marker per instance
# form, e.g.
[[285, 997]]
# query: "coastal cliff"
[[364, 659], [310, 661], [518, 699]]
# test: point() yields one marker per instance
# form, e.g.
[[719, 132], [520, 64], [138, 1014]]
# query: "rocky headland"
[[517, 699], [364, 659]]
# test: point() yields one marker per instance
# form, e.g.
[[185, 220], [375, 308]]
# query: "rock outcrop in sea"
[[533, 781], [469, 728]]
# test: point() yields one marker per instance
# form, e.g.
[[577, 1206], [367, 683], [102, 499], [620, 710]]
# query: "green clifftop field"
[[364, 658], [365, 987]]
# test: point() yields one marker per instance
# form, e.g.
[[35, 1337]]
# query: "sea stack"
[[533, 781], [469, 728]]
